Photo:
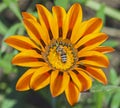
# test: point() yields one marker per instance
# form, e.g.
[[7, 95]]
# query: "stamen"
[[61, 55]]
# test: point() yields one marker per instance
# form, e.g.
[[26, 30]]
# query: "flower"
[[61, 51]]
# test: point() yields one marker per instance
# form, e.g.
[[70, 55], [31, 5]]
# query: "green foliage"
[[2, 6], [63, 3], [112, 43], [113, 13], [101, 13], [116, 100], [11, 31], [6, 59], [13, 6], [98, 87], [114, 80], [78, 1], [8, 103], [3, 28]]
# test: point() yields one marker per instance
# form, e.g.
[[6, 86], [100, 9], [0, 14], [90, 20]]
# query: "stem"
[[113, 13], [53, 102]]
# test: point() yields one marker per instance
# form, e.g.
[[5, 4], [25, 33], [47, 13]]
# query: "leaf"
[[101, 13], [8, 103], [116, 101], [63, 3], [6, 59], [97, 87], [79, 1], [112, 43], [12, 4], [111, 12], [113, 77], [98, 97], [11, 31], [2, 6], [3, 28]]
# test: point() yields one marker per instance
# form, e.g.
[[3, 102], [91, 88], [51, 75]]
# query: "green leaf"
[[113, 13], [113, 77], [2, 6], [3, 28], [101, 13], [116, 100], [98, 87], [112, 43], [12, 4], [98, 97], [8, 103], [6, 59], [63, 3], [78, 1], [10, 32]]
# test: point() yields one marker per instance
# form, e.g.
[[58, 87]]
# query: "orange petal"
[[76, 35], [96, 73], [76, 80], [74, 18], [20, 42], [91, 41], [72, 93], [24, 81], [40, 78], [93, 58], [35, 32], [104, 49], [94, 25], [29, 58], [59, 82], [46, 21], [59, 16], [28, 16], [85, 80], [91, 26]]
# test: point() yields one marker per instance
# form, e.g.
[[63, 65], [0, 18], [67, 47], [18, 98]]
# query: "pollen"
[[61, 55]]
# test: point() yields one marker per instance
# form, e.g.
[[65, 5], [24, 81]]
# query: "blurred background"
[[99, 96]]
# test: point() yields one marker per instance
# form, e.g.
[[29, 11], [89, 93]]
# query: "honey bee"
[[60, 50]]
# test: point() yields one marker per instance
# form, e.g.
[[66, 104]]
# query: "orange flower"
[[61, 51]]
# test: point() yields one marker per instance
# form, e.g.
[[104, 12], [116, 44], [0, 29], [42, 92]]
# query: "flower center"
[[61, 55]]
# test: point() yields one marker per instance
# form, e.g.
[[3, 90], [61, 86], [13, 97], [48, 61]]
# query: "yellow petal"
[[46, 21], [76, 80], [91, 54], [93, 58], [91, 26], [59, 16], [40, 78], [74, 18], [24, 81], [78, 32], [72, 93], [59, 81], [29, 58], [94, 43], [91, 41], [35, 32], [96, 73], [28, 16], [94, 25], [84, 79], [20, 42], [104, 49]]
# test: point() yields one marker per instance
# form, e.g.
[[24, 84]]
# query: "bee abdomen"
[[64, 58]]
